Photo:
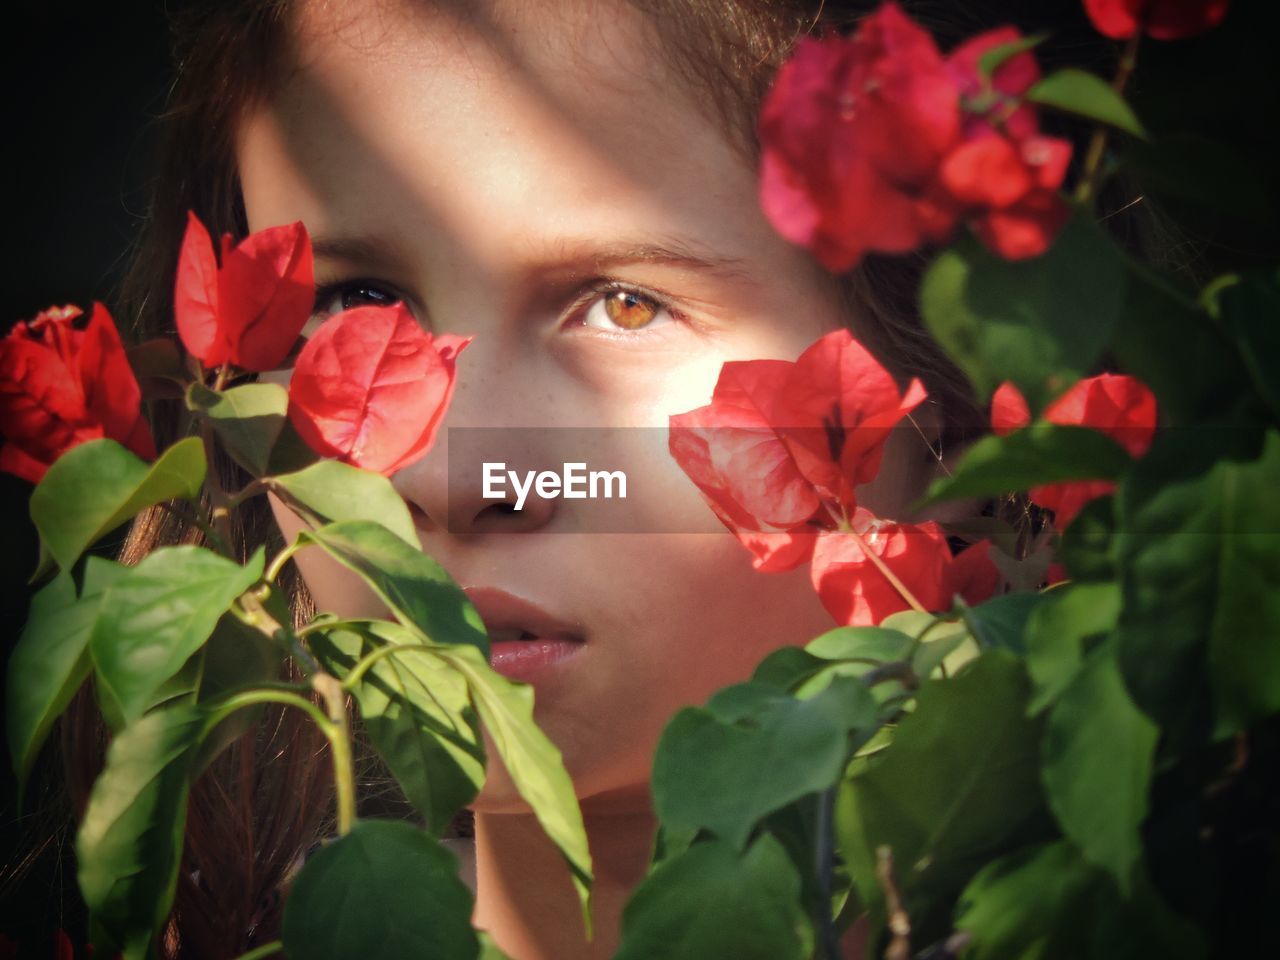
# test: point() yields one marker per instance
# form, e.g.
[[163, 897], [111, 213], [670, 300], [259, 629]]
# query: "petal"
[[1014, 77], [986, 172], [852, 587], [112, 394], [1009, 410], [1176, 19], [1026, 229], [1114, 18], [15, 460], [371, 388], [972, 574], [42, 404], [195, 296], [266, 292]]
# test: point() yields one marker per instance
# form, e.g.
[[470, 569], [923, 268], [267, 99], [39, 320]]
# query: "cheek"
[[333, 587], [686, 616]]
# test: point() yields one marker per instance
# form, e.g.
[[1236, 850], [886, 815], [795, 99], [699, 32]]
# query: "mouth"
[[525, 641]]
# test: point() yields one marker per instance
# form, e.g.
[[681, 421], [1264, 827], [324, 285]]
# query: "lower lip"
[[527, 659]]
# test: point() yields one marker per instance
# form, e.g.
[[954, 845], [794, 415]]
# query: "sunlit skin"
[[493, 173]]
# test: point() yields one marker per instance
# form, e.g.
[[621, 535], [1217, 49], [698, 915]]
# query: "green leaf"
[[532, 761], [1164, 339], [1087, 95], [51, 660], [336, 491], [1200, 575], [417, 712], [386, 889], [158, 614], [712, 902], [1057, 631], [1002, 53], [1030, 321], [247, 419], [1096, 760], [413, 586], [1087, 549], [1037, 454], [707, 772], [1001, 622], [93, 488], [959, 784], [130, 840], [236, 657], [1045, 902], [1250, 311]]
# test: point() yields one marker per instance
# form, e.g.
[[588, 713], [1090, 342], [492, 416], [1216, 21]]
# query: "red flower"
[[1120, 406], [855, 591], [1005, 174], [249, 311], [61, 386], [781, 444], [876, 143], [371, 387], [853, 132], [1159, 19]]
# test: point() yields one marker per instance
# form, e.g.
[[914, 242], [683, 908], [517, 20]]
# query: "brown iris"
[[631, 311]]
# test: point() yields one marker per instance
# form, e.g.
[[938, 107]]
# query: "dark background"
[[86, 81]]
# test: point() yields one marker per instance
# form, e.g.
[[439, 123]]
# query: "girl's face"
[[506, 170]]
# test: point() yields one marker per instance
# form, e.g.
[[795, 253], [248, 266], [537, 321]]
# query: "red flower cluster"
[[249, 311], [61, 385], [1120, 406], [371, 387], [778, 454], [1159, 19], [879, 143]]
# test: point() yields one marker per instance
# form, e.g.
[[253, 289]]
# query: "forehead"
[[458, 112]]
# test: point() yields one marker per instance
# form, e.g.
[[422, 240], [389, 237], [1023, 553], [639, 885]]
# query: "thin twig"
[[896, 916]]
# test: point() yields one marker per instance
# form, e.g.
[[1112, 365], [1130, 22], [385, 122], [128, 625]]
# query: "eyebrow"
[[562, 253]]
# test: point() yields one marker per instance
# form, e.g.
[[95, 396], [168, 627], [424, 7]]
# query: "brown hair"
[[266, 799]]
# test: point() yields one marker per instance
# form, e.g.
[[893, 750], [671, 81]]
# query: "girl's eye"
[[335, 297], [621, 308]]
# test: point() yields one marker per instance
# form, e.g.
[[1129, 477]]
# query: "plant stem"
[[221, 515], [266, 950], [889, 575], [247, 492], [203, 524], [280, 559], [898, 921], [368, 660], [335, 727], [255, 615], [1098, 142], [334, 697], [824, 852]]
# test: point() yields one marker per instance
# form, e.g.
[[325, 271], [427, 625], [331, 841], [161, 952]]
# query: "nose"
[[445, 487]]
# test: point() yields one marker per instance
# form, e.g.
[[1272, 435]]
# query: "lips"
[[525, 641]]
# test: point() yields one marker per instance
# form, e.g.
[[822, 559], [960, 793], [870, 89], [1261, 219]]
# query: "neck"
[[525, 898]]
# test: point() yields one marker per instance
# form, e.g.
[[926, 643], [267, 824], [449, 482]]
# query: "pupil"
[[364, 297]]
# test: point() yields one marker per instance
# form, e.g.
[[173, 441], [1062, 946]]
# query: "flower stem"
[[824, 854], [221, 515], [889, 575], [1098, 142], [334, 697]]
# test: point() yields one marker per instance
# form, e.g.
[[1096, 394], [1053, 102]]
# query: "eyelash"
[[590, 293]]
